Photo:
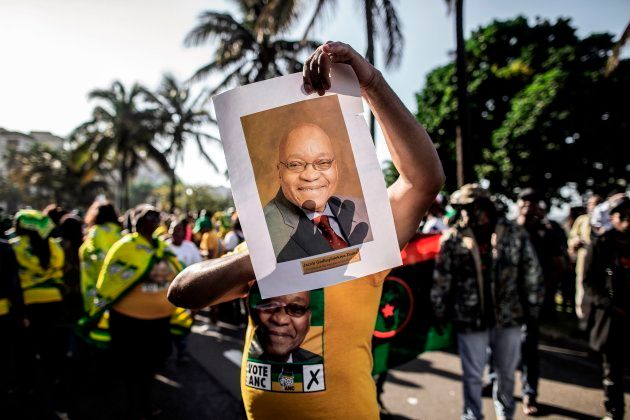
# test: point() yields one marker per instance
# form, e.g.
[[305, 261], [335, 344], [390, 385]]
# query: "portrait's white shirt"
[[331, 218]]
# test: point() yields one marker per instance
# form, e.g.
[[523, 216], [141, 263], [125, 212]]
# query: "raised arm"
[[413, 153]]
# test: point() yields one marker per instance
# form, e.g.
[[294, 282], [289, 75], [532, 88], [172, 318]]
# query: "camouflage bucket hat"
[[467, 194], [35, 221]]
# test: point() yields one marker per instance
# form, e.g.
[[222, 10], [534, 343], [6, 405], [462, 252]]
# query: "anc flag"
[[403, 324]]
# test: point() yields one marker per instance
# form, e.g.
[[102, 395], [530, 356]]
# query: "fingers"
[[338, 52], [306, 75], [317, 69]]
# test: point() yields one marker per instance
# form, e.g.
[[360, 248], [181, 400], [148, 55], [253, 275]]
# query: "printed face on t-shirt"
[[284, 322]]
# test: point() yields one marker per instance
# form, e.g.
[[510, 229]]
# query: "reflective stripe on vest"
[[42, 295], [4, 306]]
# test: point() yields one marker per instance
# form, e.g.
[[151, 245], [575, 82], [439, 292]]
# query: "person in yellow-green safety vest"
[[103, 230], [40, 260], [132, 285]]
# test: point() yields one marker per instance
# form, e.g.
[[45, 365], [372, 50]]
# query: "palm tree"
[[381, 24], [181, 118], [613, 60], [250, 49], [463, 146], [121, 134]]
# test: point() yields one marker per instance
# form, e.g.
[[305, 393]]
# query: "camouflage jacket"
[[517, 284]]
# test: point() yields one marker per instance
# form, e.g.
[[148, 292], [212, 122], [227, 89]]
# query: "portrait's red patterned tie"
[[335, 241]]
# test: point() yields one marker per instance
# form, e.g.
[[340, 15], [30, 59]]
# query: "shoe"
[[530, 406], [486, 391]]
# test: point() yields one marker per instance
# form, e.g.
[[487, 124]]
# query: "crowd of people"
[[72, 285], [497, 280], [123, 281]]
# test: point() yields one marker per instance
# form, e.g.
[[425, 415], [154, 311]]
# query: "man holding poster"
[[338, 383]]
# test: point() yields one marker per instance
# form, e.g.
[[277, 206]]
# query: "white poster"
[[307, 184]]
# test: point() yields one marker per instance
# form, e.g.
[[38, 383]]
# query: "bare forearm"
[[212, 282]]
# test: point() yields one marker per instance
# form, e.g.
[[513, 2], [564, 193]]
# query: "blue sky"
[[54, 53]]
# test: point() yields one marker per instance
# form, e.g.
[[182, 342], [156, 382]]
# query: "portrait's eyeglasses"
[[298, 166], [294, 310]]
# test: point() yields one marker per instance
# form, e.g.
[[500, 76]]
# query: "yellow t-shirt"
[[147, 300], [329, 374], [210, 245]]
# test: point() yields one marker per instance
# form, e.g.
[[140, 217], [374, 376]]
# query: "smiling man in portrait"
[[283, 323], [305, 218]]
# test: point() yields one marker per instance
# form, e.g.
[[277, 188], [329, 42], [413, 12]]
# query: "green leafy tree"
[[250, 48], [390, 172], [543, 111], [121, 134], [182, 119]]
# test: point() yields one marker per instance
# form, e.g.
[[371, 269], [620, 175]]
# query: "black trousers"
[[9, 334], [530, 359], [139, 349], [614, 360]]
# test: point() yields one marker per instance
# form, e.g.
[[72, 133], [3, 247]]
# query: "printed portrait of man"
[[306, 217], [282, 324]]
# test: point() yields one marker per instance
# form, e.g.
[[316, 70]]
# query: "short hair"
[[101, 212]]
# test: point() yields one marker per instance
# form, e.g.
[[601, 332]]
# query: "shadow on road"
[[547, 410], [425, 366]]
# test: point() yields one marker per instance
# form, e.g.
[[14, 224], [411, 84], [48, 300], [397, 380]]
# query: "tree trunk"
[[369, 54], [172, 192], [463, 144], [124, 189]]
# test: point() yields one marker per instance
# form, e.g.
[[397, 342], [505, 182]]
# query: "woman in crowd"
[[40, 261], [103, 230]]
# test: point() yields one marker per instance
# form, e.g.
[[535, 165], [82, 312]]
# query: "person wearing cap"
[[487, 282], [132, 285], [550, 243], [40, 260], [210, 245], [607, 302]]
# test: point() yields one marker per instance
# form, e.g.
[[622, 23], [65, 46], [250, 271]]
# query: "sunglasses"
[[294, 310]]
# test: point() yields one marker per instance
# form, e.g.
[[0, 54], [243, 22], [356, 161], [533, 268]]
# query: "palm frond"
[[394, 39], [225, 82], [321, 9], [276, 17], [204, 154], [211, 25]]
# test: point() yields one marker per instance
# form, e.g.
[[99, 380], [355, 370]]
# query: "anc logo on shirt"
[[396, 308]]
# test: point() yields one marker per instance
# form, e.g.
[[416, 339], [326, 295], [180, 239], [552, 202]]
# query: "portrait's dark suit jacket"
[[294, 236]]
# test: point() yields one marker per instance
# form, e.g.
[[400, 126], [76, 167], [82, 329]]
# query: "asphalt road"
[[430, 387], [207, 385]]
